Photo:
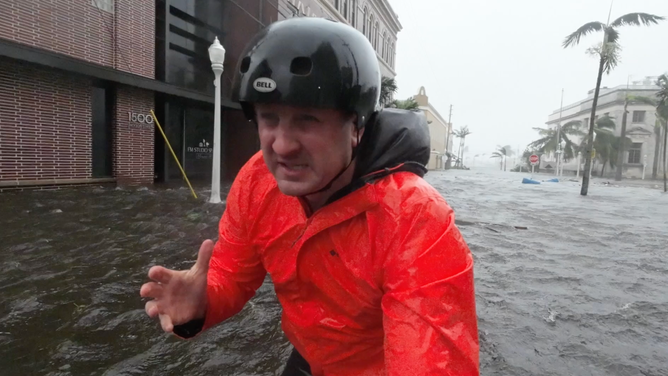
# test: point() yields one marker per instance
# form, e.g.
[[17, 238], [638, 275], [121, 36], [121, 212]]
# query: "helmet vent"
[[301, 66], [245, 64]]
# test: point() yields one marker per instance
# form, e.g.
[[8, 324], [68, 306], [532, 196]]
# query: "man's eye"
[[269, 118], [309, 118]]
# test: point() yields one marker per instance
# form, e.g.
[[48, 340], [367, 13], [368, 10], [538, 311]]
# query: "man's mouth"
[[293, 166]]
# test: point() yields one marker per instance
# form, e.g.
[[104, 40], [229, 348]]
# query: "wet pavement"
[[582, 291]]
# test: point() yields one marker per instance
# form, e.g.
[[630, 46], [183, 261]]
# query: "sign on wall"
[[202, 151], [140, 121]]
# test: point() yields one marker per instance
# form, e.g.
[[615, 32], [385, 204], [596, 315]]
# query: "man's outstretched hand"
[[178, 296]]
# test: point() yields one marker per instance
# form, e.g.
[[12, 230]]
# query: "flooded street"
[[582, 291]]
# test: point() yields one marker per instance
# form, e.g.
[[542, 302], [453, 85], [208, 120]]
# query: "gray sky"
[[501, 65]]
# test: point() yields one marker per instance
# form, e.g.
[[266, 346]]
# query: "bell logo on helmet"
[[264, 85]]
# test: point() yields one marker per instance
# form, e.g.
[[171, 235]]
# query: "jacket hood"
[[394, 140]]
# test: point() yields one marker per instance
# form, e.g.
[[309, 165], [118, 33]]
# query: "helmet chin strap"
[[331, 182]]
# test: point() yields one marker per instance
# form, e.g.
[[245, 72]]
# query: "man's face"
[[304, 148]]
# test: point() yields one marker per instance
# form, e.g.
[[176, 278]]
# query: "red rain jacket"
[[377, 282]]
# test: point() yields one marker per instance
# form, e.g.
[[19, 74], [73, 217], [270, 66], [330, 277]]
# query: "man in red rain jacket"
[[372, 274]]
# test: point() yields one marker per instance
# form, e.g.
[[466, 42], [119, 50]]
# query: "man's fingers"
[[204, 255], [166, 323], [160, 274], [151, 290], [152, 308]]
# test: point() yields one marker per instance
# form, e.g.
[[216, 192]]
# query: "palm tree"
[[662, 82], [461, 133], [388, 87], [406, 104], [548, 142], [661, 121], [606, 144], [608, 53], [503, 152], [658, 131]]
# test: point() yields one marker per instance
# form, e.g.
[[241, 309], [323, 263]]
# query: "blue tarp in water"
[[529, 181]]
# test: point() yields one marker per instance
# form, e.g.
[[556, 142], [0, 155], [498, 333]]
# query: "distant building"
[[375, 18], [439, 129], [640, 126]]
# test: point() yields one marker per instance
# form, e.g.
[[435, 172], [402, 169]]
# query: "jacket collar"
[[394, 140]]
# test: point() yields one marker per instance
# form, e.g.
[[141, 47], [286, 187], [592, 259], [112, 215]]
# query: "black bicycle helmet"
[[309, 62]]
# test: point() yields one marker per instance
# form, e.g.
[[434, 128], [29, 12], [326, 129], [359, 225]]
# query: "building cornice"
[[433, 111], [587, 111], [392, 15]]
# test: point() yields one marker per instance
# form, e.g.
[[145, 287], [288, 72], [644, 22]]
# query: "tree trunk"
[[620, 154], [657, 153], [602, 169], [590, 135], [665, 146]]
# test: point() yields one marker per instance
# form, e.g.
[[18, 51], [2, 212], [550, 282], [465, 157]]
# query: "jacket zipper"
[[308, 221]]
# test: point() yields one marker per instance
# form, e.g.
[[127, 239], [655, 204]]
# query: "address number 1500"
[[134, 117]]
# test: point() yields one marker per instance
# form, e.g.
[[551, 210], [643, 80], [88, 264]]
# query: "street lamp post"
[[644, 165], [557, 152], [217, 57]]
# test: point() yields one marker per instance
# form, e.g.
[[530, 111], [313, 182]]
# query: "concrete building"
[[78, 79], [439, 129], [640, 127], [374, 18]]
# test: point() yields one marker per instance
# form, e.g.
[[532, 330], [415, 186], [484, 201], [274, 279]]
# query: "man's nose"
[[285, 142]]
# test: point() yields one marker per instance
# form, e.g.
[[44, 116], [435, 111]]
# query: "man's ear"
[[357, 132]]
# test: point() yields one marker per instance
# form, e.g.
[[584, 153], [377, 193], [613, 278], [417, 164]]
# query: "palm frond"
[[572, 123], [611, 35], [644, 100], [636, 19], [542, 131], [662, 82], [462, 132], [609, 52], [540, 142], [407, 104], [605, 122], [590, 27], [388, 87], [572, 128]]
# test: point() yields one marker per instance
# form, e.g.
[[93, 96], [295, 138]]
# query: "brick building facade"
[[78, 79]]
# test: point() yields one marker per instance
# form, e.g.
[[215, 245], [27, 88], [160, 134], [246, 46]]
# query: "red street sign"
[[533, 159]]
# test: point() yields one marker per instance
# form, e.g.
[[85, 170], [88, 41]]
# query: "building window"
[[634, 153], [376, 31], [392, 57], [336, 4], [365, 22], [638, 116], [371, 31], [385, 45], [105, 5], [353, 14]]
